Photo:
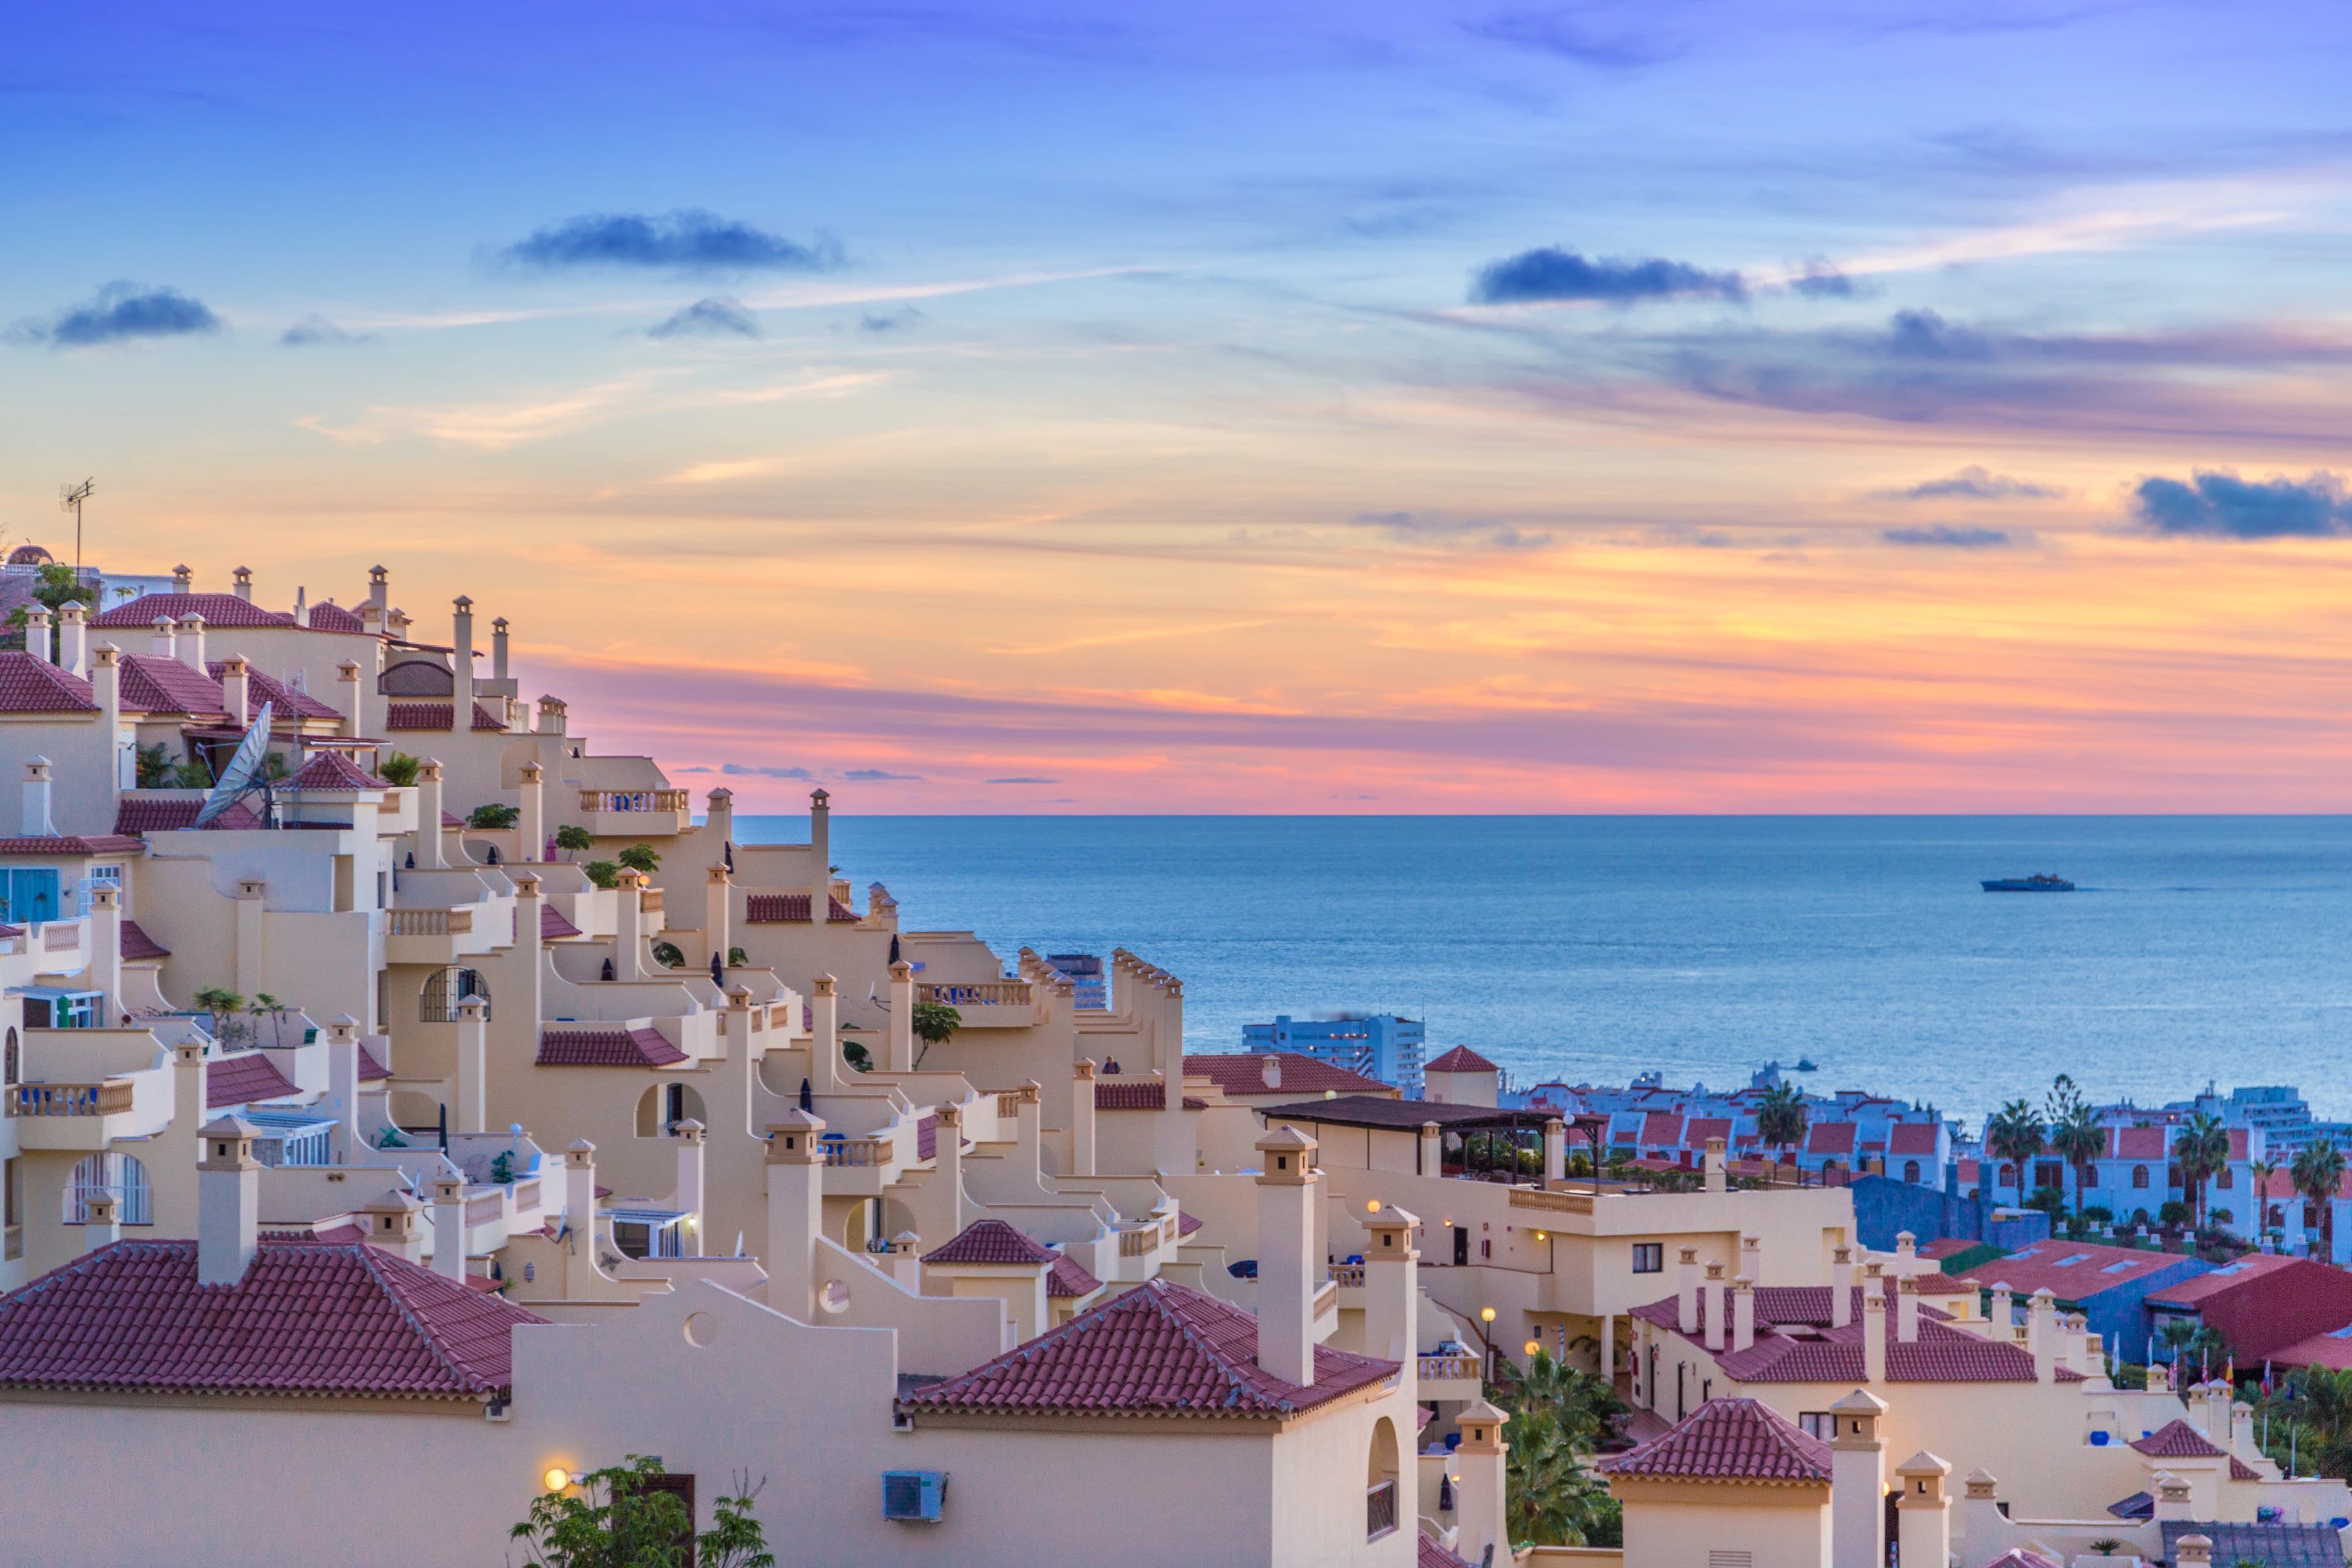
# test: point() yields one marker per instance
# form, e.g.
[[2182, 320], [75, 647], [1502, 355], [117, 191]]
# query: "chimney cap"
[[228, 1127], [1923, 1463], [1861, 1401], [1287, 1138], [795, 1119], [501, 624], [463, 603]]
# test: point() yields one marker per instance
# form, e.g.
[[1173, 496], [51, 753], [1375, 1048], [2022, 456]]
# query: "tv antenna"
[[69, 499], [242, 776]]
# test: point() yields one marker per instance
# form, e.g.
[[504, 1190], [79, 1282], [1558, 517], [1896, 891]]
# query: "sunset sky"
[[1669, 405]]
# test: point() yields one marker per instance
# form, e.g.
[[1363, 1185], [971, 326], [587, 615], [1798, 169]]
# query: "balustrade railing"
[[1347, 1276], [429, 922], [975, 994], [854, 1151], [633, 800], [1137, 1243], [104, 1099], [1446, 1367]]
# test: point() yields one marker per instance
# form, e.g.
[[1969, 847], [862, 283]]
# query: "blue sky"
[[1138, 362]]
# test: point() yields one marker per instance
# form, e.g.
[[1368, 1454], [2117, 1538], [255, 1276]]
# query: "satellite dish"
[[243, 774]]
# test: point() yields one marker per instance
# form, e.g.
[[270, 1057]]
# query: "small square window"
[[1649, 1257]]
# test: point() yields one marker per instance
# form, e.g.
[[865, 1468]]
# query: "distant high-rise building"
[[1383, 1045], [1086, 973]]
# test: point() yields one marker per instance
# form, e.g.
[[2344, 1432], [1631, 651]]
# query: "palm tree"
[[1558, 1414], [2201, 1149], [2015, 1135], [2317, 1169], [2263, 1171], [2075, 1135], [1780, 1117]]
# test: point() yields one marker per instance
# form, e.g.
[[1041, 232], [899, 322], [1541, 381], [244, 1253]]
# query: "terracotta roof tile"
[[244, 1078], [328, 617], [307, 1318], [1727, 1440], [552, 926], [1662, 1128], [31, 685], [1699, 1129], [138, 944], [927, 1138], [2075, 1270], [332, 769], [1159, 1349], [135, 813], [643, 1046], [1186, 1223], [2177, 1439], [1830, 1138], [284, 700], [1817, 1352], [217, 609], [786, 908], [1246, 1074], [62, 844], [2231, 1276], [152, 684], [2138, 1143], [1138, 1094], [371, 1070], [2241, 1471], [1430, 1553], [1068, 1280], [1461, 1058], [990, 1241], [2021, 1557], [1911, 1138]]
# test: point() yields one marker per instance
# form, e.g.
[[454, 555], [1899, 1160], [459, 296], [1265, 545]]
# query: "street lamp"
[[1487, 1316]]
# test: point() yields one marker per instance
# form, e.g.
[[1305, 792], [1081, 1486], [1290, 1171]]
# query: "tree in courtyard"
[[2076, 1135], [933, 1022], [640, 857], [572, 839], [398, 769], [494, 814], [618, 1518], [55, 586], [2201, 1149], [2317, 1171], [1551, 1494], [2015, 1135], [1780, 1118], [2262, 1171], [2311, 1417]]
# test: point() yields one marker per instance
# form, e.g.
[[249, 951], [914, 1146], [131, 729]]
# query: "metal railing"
[[1379, 1510], [976, 993], [70, 1099]]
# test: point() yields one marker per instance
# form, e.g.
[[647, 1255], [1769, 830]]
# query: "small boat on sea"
[[1805, 1063], [2042, 883]]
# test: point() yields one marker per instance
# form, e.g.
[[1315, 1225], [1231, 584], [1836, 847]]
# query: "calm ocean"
[[1595, 947]]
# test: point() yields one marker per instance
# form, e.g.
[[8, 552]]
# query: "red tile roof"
[[2231, 1276], [2241, 1471], [1245, 1074], [2137, 1144], [328, 617], [2177, 1439], [1727, 1440], [1430, 1553], [31, 685], [1158, 1350], [245, 1078], [1138, 1094], [2021, 1557], [643, 1046], [927, 1138], [990, 1241], [1830, 1138], [152, 684], [1911, 1138], [1461, 1058], [486, 719], [1817, 1353], [1662, 1129], [2263, 1304], [63, 844], [785, 909], [1069, 1281], [217, 609], [436, 716], [1186, 1223], [284, 702], [135, 813], [371, 1070], [306, 1319], [138, 944], [332, 769], [552, 926], [1699, 1129]]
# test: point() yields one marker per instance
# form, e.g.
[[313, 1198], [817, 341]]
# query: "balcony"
[[618, 812], [84, 1117], [984, 1003], [430, 935], [1447, 1376]]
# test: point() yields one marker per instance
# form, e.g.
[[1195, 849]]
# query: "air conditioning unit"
[[914, 1496]]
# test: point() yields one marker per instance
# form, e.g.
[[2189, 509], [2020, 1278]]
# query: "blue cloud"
[[1823, 281], [740, 771], [315, 330], [1021, 781], [1924, 334], [896, 320], [716, 317], [1551, 273], [1555, 33], [686, 241], [1437, 529], [120, 312], [1949, 537], [1973, 483], [876, 775], [2221, 505]]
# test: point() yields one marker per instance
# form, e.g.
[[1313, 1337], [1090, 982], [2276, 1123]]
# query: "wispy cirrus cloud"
[[315, 330], [1951, 536], [881, 776], [716, 317], [2220, 505], [1435, 527], [120, 312], [1551, 273], [688, 240], [1570, 33], [745, 770], [1974, 482]]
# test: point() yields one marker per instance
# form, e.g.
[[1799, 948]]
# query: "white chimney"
[[183, 580], [461, 661], [1716, 1179], [1392, 1288], [2042, 1334], [449, 1228], [2003, 1314], [1743, 1314], [1751, 1258], [73, 640], [499, 648], [687, 1198], [379, 597], [531, 824], [101, 1220], [1924, 1510], [1082, 1117], [165, 645], [579, 1186], [820, 861], [347, 676], [1906, 1310], [302, 606], [1269, 1070], [795, 1211], [104, 908], [343, 1080], [35, 819], [36, 632], [1873, 1338], [236, 689], [902, 1034], [243, 578], [1711, 1306], [1287, 1190], [1841, 1287], [191, 649], [473, 1064], [429, 818], [1857, 1480], [228, 1202], [1686, 1293]]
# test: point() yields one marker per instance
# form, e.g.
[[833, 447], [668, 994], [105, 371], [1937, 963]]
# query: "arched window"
[[1910, 1170], [15, 1069], [444, 989], [121, 1174], [2278, 1215], [666, 1105], [1381, 1481], [2007, 1175], [2224, 1178], [2139, 1176]]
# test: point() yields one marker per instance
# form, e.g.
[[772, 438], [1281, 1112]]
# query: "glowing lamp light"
[[1535, 1348], [1486, 1315], [556, 1477], [1373, 1207]]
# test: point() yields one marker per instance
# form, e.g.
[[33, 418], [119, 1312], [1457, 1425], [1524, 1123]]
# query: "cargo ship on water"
[[2043, 883]]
